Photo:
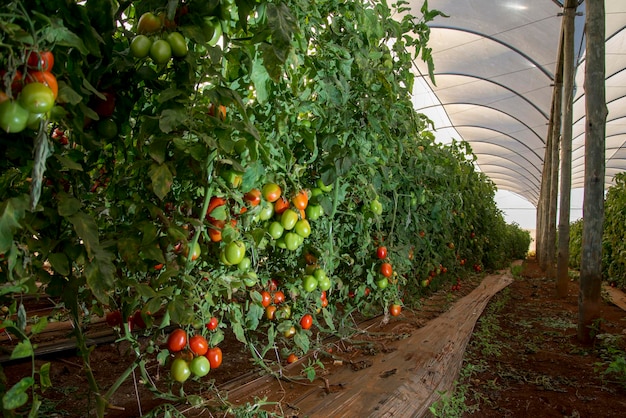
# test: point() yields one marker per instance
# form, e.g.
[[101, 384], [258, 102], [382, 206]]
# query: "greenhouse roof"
[[495, 64]]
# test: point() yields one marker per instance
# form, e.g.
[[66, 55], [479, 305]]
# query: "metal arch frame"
[[607, 122], [503, 134], [498, 41], [508, 168], [544, 114], [608, 149]]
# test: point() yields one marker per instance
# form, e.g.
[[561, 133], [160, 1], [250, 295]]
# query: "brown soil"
[[531, 363], [542, 369]]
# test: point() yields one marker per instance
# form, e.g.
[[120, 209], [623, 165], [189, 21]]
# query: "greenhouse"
[[281, 208]]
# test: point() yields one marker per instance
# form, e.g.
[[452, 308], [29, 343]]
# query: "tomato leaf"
[[171, 119], [12, 211], [162, 179], [39, 326], [16, 396], [22, 349], [260, 78], [68, 205], [100, 274], [42, 152], [301, 339], [44, 376], [60, 264]]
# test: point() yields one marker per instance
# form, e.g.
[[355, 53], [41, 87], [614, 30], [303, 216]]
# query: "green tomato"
[[376, 207], [281, 243], [324, 187], [36, 98], [234, 252], [250, 279], [178, 44], [267, 211], [293, 241], [309, 283], [284, 312], [276, 230], [140, 46], [382, 283], [314, 212], [324, 283], [316, 191], [288, 219], [303, 228], [212, 29], [107, 128], [200, 366], [244, 264], [160, 52], [13, 117], [180, 370]]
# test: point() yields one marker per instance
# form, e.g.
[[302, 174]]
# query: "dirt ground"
[[522, 361]]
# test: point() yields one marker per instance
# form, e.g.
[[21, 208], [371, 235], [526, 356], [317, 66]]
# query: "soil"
[[523, 360]]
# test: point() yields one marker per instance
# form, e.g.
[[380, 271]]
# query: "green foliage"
[[610, 347], [575, 243], [294, 93]]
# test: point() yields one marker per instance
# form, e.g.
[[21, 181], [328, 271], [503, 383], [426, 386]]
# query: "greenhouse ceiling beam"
[[507, 168]]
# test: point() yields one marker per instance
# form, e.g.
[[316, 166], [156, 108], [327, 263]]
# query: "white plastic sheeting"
[[495, 62]]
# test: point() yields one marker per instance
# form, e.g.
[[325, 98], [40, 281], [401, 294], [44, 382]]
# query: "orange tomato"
[[301, 199], [281, 205]]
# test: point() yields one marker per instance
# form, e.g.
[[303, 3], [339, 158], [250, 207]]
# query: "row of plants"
[[614, 230], [248, 166]]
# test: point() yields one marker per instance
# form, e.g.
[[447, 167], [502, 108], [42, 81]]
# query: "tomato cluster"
[[151, 42], [194, 356], [32, 93]]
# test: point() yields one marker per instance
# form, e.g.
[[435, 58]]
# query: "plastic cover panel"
[[494, 71]]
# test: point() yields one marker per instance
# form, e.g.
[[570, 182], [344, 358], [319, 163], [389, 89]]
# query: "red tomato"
[[306, 321], [104, 107], [177, 340], [281, 205], [40, 60], [279, 297], [271, 192], [386, 269], [212, 324], [217, 111], [114, 318], [292, 358], [270, 312], [381, 252], [272, 285], [214, 354], [253, 197], [395, 309], [138, 320], [267, 298], [301, 200], [198, 345], [215, 202]]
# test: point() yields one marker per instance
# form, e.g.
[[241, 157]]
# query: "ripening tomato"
[[386, 269], [180, 370], [195, 253], [395, 309], [271, 192], [200, 366], [281, 205], [306, 321], [272, 285], [301, 200], [253, 197], [198, 345], [216, 201], [266, 298], [381, 252], [217, 111], [290, 332], [104, 106], [270, 312], [149, 23], [36, 98], [13, 117], [292, 358], [177, 340], [215, 357], [40, 60], [212, 324]]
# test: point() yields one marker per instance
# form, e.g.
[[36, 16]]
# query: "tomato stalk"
[[331, 244]]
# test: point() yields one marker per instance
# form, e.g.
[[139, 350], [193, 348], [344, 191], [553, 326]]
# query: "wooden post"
[[562, 270], [593, 200]]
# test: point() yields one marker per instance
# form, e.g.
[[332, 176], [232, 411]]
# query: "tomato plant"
[[177, 340]]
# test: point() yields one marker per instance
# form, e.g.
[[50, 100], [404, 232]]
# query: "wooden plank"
[[401, 383], [617, 297]]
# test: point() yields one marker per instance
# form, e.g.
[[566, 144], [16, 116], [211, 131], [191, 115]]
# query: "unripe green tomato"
[[288, 219], [276, 230], [293, 241], [160, 52], [303, 228], [36, 98], [309, 283], [180, 370], [178, 44], [244, 264], [324, 283], [267, 211], [382, 283], [234, 252], [314, 212], [13, 117], [200, 366], [376, 207], [140, 46]]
